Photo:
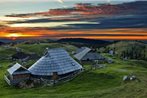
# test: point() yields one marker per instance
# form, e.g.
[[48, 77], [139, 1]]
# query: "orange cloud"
[[122, 34]]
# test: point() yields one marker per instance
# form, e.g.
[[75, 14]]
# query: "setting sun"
[[14, 35]]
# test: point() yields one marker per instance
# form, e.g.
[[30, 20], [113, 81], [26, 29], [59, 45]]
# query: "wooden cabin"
[[56, 64], [87, 54], [16, 74]]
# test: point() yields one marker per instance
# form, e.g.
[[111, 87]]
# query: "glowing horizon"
[[75, 23], [112, 34]]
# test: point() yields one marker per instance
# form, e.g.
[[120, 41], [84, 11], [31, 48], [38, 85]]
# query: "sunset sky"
[[61, 0], [26, 6], [118, 34], [128, 27]]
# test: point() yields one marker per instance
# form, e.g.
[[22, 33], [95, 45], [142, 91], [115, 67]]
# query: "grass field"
[[100, 83]]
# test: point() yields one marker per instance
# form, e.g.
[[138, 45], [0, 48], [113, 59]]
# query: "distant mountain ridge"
[[85, 41]]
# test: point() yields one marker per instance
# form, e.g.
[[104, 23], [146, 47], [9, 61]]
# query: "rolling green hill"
[[7, 51], [130, 49], [100, 83]]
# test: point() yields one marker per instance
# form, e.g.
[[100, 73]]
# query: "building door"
[[55, 76]]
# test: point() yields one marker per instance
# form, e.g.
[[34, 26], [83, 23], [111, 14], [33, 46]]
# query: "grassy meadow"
[[100, 83]]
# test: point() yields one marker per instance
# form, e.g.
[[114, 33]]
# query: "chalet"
[[16, 74], [56, 64], [87, 54]]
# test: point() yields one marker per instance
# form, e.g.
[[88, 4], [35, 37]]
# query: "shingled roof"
[[81, 52], [55, 60], [15, 69], [85, 53]]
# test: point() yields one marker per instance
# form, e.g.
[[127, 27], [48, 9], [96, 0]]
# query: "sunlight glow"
[[14, 35], [19, 35], [130, 34]]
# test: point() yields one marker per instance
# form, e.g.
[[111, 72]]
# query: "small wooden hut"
[[16, 74], [87, 54]]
